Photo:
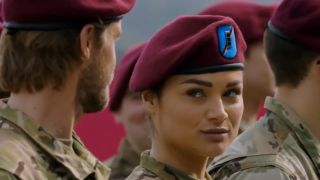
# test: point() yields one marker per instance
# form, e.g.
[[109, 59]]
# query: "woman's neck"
[[187, 163]]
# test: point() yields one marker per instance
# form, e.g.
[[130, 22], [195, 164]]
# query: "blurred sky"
[[148, 16]]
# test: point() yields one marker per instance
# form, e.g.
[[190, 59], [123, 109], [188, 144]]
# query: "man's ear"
[[150, 100], [86, 40]]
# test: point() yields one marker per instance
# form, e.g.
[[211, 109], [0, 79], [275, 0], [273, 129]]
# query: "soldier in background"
[[129, 110], [285, 144], [56, 59], [252, 19], [190, 79]]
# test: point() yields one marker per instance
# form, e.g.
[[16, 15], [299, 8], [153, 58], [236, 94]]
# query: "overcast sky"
[[150, 15]]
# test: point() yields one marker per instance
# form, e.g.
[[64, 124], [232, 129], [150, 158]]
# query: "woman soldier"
[[258, 80], [190, 77]]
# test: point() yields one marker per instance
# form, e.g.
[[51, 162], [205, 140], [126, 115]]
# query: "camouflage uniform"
[[279, 146], [28, 152], [150, 168], [124, 162]]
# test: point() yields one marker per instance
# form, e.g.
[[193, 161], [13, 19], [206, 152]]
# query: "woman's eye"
[[232, 93], [195, 93]]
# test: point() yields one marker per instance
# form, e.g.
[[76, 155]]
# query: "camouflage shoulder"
[[18, 156], [140, 173], [4, 175], [261, 173], [14, 149], [251, 166]]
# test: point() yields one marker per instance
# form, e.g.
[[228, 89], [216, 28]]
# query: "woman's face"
[[199, 114]]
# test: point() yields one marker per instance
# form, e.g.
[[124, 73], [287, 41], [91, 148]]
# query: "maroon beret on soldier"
[[298, 21], [120, 83], [189, 45], [55, 14], [252, 18]]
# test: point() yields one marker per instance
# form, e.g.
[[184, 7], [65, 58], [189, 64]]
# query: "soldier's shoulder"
[[268, 165], [140, 173], [17, 153], [266, 148], [5, 175], [261, 173], [267, 136], [14, 145]]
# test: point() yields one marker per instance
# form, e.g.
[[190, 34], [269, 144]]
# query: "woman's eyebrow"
[[199, 82], [233, 83]]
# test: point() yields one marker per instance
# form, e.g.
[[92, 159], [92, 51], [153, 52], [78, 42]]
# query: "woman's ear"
[[86, 40], [150, 100]]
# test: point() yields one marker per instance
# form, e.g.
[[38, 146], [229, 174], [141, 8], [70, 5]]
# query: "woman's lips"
[[216, 134]]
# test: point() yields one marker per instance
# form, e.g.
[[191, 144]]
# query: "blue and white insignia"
[[227, 41]]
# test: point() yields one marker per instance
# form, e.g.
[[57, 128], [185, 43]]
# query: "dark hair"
[[158, 89], [290, 62], [32, 59]]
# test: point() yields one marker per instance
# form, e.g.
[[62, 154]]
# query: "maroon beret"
[[120, 83], [298, 21], [189, 45], [252, 18], [52, 14]]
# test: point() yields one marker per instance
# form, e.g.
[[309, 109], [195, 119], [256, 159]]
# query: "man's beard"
[[92, 92]]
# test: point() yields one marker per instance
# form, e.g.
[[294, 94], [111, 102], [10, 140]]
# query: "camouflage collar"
[[307, 141], [163, 171], [76, 159]]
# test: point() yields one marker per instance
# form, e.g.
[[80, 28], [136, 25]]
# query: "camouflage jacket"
[[279, 146], [28, 152], [124, 162], [150, 168]]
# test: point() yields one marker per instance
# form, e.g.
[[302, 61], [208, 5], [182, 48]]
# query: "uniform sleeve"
[[4, 175], [260, 173]]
